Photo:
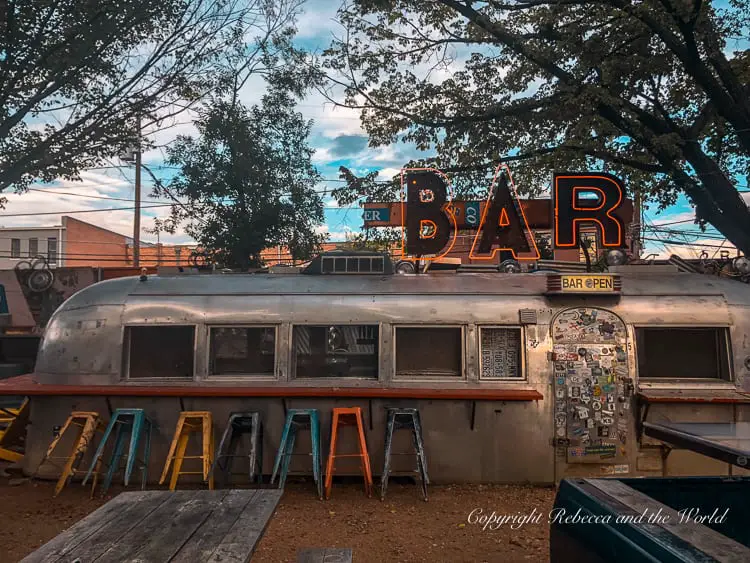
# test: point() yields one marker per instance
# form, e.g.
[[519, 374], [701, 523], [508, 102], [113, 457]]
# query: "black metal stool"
[[404, 418], [240, 423]]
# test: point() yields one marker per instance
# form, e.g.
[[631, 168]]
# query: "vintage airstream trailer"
[[526, 377]]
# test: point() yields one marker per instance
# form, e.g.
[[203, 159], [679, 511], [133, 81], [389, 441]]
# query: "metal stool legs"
[[87, 424], [404, 419], [136, 423], [238, 425], [344, 416], [297, 419], [191, 422]]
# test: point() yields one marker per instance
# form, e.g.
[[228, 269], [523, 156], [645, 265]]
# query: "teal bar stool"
[[298, 419], [128, 421]]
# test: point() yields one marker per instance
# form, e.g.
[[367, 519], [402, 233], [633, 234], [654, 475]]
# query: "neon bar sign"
[[430, 228]]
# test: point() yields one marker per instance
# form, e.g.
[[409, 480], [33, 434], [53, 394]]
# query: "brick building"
[[76, 243]]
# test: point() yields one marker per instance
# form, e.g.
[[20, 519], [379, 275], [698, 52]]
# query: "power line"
[[671, 223], [51, 191], [35, 214], [143, 243], [680, 243], [66, 212]]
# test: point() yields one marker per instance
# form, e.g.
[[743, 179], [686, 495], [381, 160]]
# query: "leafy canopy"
[[247, 182], [655, 92], [76, 76]]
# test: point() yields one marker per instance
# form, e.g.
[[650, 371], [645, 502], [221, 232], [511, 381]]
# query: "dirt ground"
[[403, 528]]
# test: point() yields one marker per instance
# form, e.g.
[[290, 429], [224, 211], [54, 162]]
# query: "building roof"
[[44, 228]]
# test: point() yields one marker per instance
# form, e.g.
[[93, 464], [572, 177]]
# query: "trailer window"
[[160, 351], [500, 355], [429, 352], [242, 350], [336, 351], [677, 353]]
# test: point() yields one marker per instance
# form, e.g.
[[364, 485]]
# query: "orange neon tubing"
[[447, 208], [526, 229], [575, 221]]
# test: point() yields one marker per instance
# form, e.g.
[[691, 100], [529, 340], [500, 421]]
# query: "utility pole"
[[636, 246], [137, 218]]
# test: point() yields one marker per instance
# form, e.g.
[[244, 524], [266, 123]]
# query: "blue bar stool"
[[136, 423], [407, 419], [297, 419]]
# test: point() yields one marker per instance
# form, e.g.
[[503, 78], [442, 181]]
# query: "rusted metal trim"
[[275, 391], [739, 399]]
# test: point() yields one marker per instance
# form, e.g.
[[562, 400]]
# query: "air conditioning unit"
[[341, 263]]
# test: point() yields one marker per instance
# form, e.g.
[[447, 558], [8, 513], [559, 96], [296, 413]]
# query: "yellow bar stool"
[[86, 424], [191, 422]]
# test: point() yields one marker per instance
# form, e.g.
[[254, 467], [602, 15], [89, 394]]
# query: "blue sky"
[[337, 137]]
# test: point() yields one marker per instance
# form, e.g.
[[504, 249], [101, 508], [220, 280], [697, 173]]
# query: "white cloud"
[[692, 251], [387, 174], [94, 184], [336, 236], [318, 20], [664, 218], [339, 236], [322, 156], [331, 120]]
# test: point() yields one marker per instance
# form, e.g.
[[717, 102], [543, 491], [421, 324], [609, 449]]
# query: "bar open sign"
[[377, 214], [593, 284]]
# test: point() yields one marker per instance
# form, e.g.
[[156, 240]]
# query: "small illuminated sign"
[[584, 283], [378, 214]]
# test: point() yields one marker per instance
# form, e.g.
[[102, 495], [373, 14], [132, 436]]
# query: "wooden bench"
[[325, 555]]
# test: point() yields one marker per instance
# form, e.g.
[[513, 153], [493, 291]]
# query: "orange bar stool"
[[347, 417], [191, 422]]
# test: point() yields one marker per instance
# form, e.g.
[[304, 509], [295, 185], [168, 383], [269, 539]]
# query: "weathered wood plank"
[[207, 538], [157, 537], [82, 530], [325, 555], [702, 537], [239, 543], [131, 516]]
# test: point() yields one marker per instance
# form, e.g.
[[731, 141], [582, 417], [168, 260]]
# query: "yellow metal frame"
[[7, 454], [191, 422], [88, 424]]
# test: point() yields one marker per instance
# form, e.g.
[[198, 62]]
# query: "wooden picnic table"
[[161, 526]]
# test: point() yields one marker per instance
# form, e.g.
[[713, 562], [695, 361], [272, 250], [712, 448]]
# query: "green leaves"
[[248, 182], [76, 75], [606, 84]]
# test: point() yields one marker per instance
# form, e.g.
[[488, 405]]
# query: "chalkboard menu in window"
[[501, 353]]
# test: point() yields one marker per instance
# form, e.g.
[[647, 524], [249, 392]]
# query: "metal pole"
[[637, 216], [137, 218]]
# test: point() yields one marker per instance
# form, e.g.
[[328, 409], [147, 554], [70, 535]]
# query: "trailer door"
[[592, 393]]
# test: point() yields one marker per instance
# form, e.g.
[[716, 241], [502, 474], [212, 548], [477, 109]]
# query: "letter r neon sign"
[[571, 210]]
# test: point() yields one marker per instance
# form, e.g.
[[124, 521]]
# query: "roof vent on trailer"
[[350, 262]]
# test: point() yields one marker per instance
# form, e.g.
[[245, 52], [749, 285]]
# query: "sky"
[[338, 139]]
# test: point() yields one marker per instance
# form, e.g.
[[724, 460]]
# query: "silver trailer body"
[[87, 343]]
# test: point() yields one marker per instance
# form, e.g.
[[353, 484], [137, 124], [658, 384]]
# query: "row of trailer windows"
[[342, 351], [322, 351]]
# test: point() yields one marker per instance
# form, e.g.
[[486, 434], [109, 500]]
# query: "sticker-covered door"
[[591, 382]]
